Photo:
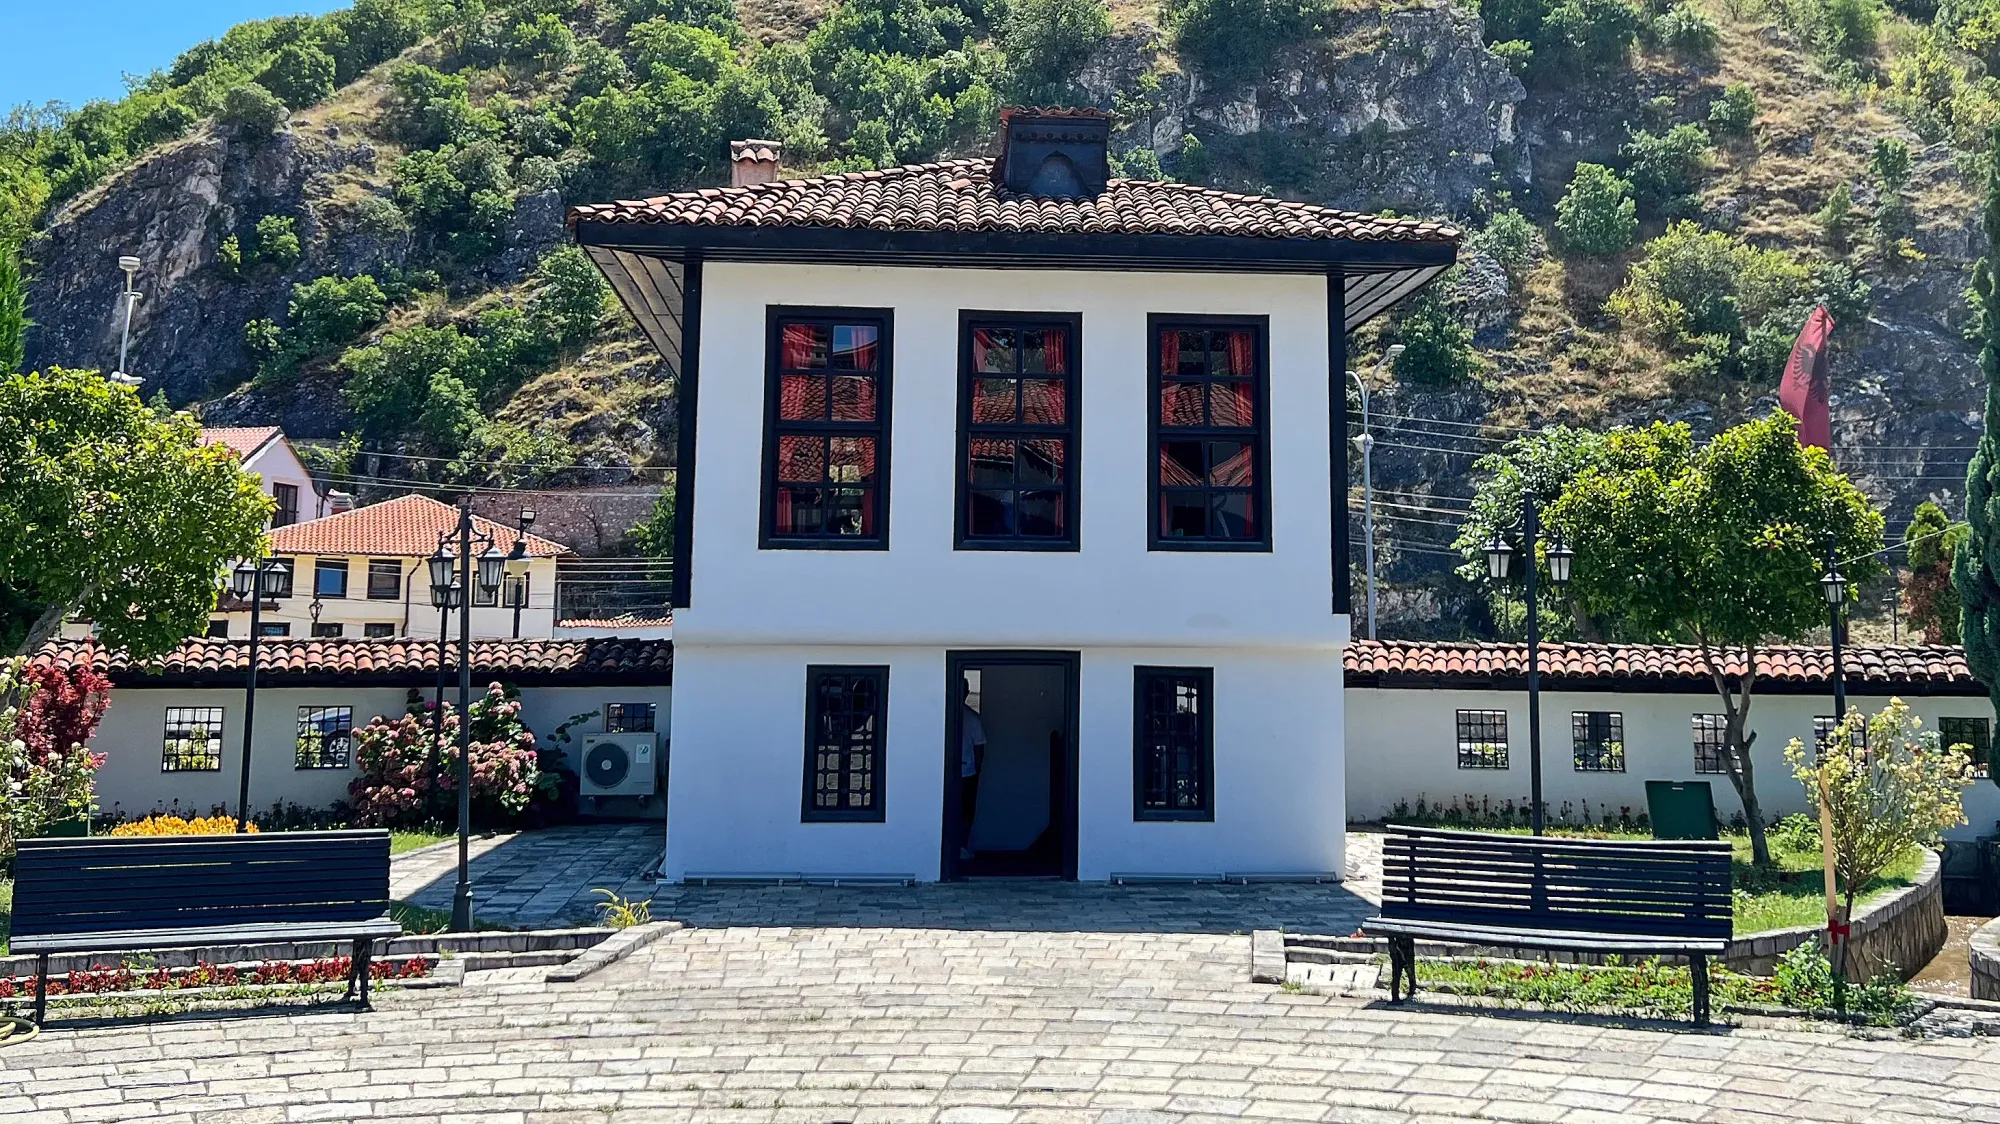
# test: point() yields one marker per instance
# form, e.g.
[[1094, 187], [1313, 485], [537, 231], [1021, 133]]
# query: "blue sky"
[[76, 50]]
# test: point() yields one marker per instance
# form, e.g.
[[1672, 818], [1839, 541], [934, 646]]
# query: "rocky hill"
[[436, 158]]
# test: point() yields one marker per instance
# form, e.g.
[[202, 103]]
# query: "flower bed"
[[101, 980]]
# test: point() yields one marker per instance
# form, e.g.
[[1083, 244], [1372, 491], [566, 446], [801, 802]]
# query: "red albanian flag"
[[1804, 389]]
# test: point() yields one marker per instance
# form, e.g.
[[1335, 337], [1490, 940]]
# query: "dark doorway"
[[1010, 765]]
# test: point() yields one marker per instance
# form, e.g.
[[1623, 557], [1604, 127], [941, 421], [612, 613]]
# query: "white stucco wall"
[[739, 766], [759, 617], [278, 463], [132, 733], [1403, 743]]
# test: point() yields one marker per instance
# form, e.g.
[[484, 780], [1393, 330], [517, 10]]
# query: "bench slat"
[[143, 939]]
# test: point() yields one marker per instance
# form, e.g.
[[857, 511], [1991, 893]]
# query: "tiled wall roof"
[[960, 195], [242, 440], [364, 662], [405, 527], [1408, 663]]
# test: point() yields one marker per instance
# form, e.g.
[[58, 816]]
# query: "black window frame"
[[1711, 744], [218, 628], [341, 757], [878, 813], [1593, 755], [1823, 726], [274, 630], [286, 496], [1260, 491], [379, 630], [615, 718], [1070, 432], [191, 718], [1143, 676], [775, 317], [1468, 723], [330, 630], [1982, 746], [391, 568], [330, 566]]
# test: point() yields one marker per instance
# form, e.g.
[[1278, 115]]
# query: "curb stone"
[[614, 948], [1267, 956]]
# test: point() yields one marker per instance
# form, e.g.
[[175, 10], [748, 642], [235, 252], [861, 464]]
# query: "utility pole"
[[1366, 443]]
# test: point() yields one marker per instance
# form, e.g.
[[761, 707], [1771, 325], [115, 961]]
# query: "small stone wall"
[[1901, 932], [1985, 954]]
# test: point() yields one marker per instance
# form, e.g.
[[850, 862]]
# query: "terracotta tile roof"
[[622, 620], [405, 527], [960, 195], [206, 662], [243, 440], [1403, 663]]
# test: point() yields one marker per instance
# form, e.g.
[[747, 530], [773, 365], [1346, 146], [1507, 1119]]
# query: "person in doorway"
[[971, 759]]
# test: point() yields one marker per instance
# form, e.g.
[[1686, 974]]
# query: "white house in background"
[[1003, 440], [172, 737], [1448, 722], [362, 574], [263, 449]]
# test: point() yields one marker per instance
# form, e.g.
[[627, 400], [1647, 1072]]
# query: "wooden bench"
[[136, 894], [1640, 898]]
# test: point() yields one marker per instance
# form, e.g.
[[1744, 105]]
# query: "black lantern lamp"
[[1559, 557], [1499, 558], [492, 570]]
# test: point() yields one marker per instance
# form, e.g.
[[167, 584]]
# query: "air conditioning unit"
[[618, 764]]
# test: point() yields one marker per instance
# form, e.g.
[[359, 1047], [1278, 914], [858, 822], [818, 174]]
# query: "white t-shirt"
[[971, 732]]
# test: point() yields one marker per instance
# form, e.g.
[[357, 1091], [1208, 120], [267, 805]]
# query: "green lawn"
[[401, 841]]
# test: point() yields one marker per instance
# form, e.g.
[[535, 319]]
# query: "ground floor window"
[[193, 742], [1597, 739], [378, 631], [1711, 743], [1482, 739], [1174, 743], [328, 631], [325, 735], [1824, 726], [629, 718], [846, 709], [1975, 734]]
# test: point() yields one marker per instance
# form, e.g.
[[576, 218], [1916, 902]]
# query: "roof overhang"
[[643, 260]]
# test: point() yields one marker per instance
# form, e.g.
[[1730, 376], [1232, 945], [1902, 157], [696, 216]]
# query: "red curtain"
[[1055, 344], [1170, 351], [863, 344], [1242, 354], [797, 347]]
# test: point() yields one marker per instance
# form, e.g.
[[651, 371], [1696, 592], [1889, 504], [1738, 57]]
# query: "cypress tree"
[[1976, 569]]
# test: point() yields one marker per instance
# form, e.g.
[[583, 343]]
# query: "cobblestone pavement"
[[535, 879], [877, 1024]]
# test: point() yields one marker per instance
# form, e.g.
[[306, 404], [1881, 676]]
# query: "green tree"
[[1930, 601], [1976, 566], [1587, 38], [252, 110], [1048, 41], [1732, 114], [546, 41], [114, 511], [1437, 346], [14, 322], [654, 535], [571, 296], [388, 382], [1667, 168], [301, 75], [1720, 546], [1597, 216], [1541, 464], [1235, 39]]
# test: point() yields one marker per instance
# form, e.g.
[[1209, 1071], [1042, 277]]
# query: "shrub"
[[229, 256], [388, 381], [1437, 346], [1235, 39], [277, 241], [1046, 43], [546, 41], [156, 825], [1837, 217], [1732, 114], [1687, 31], [60, 708], [328, 312], [40, 787], [1588, 38], [1597, 216], [571, 296], [301, 75], [394, 788], [252, 111], [1667, 167], [1508, 238], [1517, 54], [1889, 164], [1849, 27]]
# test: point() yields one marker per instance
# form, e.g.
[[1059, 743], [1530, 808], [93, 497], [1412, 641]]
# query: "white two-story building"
[[1012, 515]]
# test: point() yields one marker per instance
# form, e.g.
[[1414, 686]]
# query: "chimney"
[[754, 161], [1061, 153], [337, 502]]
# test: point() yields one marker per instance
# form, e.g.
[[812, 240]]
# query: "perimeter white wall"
[[1403, 743]]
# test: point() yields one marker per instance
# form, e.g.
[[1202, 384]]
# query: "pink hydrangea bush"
[[396, 760]]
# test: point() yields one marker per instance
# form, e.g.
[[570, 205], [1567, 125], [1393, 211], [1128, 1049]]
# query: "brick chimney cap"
[[761, 151]]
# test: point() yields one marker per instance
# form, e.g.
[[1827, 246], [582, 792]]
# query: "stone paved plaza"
[[535, 879], [868, 1014]]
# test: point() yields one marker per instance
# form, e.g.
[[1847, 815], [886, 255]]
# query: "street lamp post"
[[130, 265], [1499, 557], [517, 569], [1833, 586], [255, 579], [488, 573], [1366, 443], [446, 596]]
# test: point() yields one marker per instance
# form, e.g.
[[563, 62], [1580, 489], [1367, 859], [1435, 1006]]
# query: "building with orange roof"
[[263, 449]]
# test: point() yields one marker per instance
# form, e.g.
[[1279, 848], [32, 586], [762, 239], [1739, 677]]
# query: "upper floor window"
[[826, 435], [385, 579], [383, 630], [1017, 431], [1975, 734], [287, 496], [1210, 486], [330, 577]]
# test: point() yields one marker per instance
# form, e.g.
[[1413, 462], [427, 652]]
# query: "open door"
[[1010, 765]]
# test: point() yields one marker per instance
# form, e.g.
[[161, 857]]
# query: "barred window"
[[1598, 739], [1975, 734], [629, 718], [846, 709], [1711, 743], [1482, 739], [1824, 726], [326, 734], [1174, 743], [193, 742]]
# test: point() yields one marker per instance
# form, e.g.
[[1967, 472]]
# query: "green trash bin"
[[1682, 810]]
